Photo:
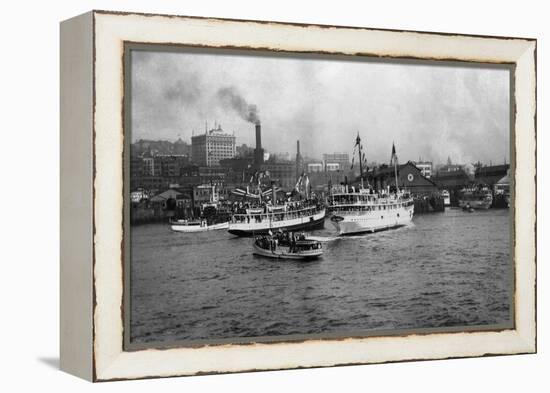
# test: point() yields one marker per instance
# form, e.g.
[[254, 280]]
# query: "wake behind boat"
[[287, 246]]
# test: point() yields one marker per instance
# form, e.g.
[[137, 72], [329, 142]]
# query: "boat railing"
[[275, 215], [370, 202]]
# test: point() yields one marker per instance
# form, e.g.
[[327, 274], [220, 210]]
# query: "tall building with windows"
[[212, 146], [342, 159], [425, 167]]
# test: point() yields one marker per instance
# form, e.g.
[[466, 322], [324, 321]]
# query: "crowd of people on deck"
[[280, 238]]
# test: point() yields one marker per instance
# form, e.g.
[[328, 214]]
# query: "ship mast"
[[394, 159], [360, 150]]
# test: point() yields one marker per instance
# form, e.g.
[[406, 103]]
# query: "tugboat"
[[287, 246], [475, 197], [364, 210]]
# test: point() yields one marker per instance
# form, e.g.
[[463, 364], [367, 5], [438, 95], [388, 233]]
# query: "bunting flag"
[[270, 191], [299, 183], [243, 193], [239, 191]]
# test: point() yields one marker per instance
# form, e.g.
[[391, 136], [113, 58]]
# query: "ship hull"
[[280, 254], [197, 228], [372, 221], [315, 221], [481, 204]]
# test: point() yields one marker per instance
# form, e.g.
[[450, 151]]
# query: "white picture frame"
[[92, 190]]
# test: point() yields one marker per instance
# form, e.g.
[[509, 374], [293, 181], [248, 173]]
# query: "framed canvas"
[[246, 195]]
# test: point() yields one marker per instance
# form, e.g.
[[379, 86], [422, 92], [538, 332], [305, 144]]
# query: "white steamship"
[[365, 210]]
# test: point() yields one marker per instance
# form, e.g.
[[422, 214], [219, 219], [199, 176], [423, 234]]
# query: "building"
[[149, 167], [332, 166], [342, 159], [451, 177], [283, 173], [502, 186], [425, 167], [171, 165], [181, 148], [282, 156], [490, 175], [204, 194], [194, 175], [244, 150], [212, 146], [315, 167], [409, 176]]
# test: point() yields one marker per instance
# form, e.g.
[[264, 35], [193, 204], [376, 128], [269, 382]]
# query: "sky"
[[429, 111]]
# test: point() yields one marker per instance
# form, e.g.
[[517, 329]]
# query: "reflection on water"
[[446, 269]]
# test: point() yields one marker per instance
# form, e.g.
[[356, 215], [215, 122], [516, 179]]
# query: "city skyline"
[[319, 157], [426, 110]]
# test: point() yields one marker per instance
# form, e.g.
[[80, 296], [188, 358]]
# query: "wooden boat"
[[196, 226], [476, 197], [280, 247]]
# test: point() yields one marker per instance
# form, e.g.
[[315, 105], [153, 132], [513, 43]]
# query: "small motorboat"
[[191, 226], [287, 246]]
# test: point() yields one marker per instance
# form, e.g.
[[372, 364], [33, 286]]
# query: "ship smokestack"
[[273, 193], [258, 152]]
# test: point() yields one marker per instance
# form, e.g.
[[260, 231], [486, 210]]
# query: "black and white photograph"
[[282, 196]]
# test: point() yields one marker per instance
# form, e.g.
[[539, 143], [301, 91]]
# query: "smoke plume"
[[232, 99]]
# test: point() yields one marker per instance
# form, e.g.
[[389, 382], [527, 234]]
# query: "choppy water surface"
[[446, 269]]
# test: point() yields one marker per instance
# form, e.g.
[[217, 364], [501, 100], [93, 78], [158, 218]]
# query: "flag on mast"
[[393, 155], [393, 161], [357, 145]]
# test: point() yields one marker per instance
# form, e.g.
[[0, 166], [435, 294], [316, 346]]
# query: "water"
[[445, 269]]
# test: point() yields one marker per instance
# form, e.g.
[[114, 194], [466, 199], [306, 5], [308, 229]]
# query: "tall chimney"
[[299, 161], [258, 152], [258, 136]]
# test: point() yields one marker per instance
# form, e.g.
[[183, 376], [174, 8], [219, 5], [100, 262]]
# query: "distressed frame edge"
[[526, 339], [300, 338]]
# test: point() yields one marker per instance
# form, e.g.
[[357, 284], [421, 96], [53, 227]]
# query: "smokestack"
[[299, 161], [258, 152], [273, 193], [258, 136]]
